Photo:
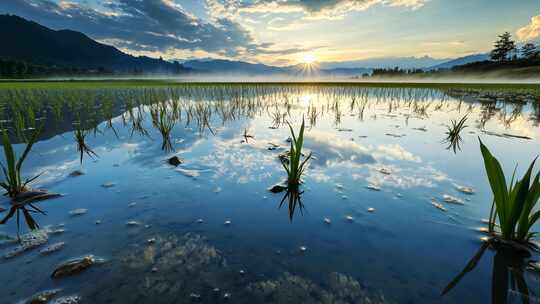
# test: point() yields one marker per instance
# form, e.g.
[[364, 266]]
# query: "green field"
[[126, 83]]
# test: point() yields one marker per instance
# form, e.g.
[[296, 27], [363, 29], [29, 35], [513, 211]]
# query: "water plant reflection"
[[507, 272], [294, 199], [454, 134]]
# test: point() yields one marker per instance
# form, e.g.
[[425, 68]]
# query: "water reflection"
[[507, 276], [294, 199]]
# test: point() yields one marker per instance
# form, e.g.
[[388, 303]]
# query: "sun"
[[309, 59]]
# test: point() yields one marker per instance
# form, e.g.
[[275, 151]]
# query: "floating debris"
[[151, 241], [373, 187], [272, 146], [339, 186], [423, 129], [227, 223], [132, 223], [437, 205], [517, 136], [371, 210], [344, 130], [277, 188], [67, 300], [52, 248], [394, 135], [98, 222], [76, 173], [226, 296], [78, 212], [174, 161], [73, 267], [195, 296], [302, 249], [242, 272], [349, 218], [28, 241], [132, 204], [200, 221], [464, 189], [452, 200], [108, 185], [327, 221]]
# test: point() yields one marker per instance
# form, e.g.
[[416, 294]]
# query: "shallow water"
[[405, 251]]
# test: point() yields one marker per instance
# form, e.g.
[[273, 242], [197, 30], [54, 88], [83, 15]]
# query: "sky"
[[285, 32]]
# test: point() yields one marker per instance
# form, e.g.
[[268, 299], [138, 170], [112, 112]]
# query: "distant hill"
[[36, 44], [460, 61], [230, 67], [386, 62], [234, 67]]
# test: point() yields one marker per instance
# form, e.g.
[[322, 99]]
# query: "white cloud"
[[530, 31]]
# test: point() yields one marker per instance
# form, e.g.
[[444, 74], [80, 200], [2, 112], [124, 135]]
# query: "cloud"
[[320, 9], [530, 31], [147, 25]]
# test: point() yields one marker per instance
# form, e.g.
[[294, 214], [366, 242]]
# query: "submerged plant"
[[13, 182], [295, 165], [82, 147], [454, 134], [513, 205]]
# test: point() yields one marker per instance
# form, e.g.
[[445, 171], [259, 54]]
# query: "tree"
[[504, 47], [529, 51]]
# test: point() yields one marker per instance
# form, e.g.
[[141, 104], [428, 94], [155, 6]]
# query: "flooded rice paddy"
[[391, 208]]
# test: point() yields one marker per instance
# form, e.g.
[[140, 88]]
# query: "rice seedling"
[[82, 147], [513, 205], [295, 166], [13, 183], [454, 134], [164, 123]]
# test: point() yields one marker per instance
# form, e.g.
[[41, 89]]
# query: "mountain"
[[31, 42], [221, 66], [234, 67], [386, 62], [460, 61]]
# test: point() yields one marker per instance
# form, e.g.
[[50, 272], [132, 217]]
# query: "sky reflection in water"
[[391, 139]]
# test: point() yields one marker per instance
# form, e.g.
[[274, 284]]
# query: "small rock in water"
[[339, 186], [76, 173], [174, 161], [73, 267], [132, 204], [227, 223], [108, 185], [385, 171], [195, 296], [52, 248], [437, 205], [349, 218], [151, 241], [303, 249], [77, 212], [464, 189], [226, 296], [371, 210], [98, 222], [154, 269], [132, 223], [277, 188], [216, 290], [67, 300], [42, 297], [452, 199], [241, 272], [373, 187], [200, 221], [327, 221]]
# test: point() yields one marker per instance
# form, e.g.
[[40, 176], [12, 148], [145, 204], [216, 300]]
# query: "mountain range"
[[33, 43], [36, 44]]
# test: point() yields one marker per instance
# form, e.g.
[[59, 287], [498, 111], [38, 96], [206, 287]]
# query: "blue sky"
[[284, 32]]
